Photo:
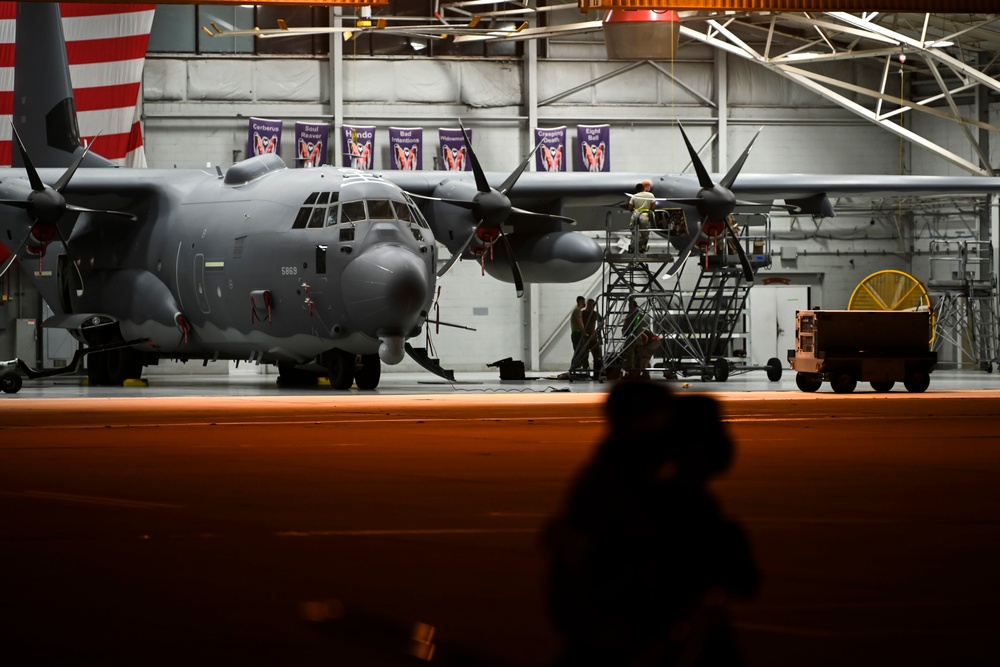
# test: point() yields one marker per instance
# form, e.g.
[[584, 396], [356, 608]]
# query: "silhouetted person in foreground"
[[641, 559]]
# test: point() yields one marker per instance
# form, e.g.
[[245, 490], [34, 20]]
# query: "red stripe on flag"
[[86, 51], [8, 10], [135, 137], [72, 9], [6, 102], [99, 98], [6, 151], [7, 55], [115, 146]]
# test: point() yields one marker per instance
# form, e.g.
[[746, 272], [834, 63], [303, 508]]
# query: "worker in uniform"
[[641, 343], [576, 336], [593, 321], [642, 204]]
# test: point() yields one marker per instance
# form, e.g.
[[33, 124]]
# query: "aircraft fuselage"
[[263, 263]]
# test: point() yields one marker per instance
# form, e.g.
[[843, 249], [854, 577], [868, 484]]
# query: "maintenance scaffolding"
[[675, 323], [963, 288]]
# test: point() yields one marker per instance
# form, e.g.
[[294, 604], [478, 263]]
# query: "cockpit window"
[[414, 212], [380, 209], [352, 211], [317, 218], [403, 212], [314, 213]]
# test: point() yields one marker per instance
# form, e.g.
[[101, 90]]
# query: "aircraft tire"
[[882, 386], [340, 364], [97, 369], [369, 373], [10, 383], [122, 364], [290, 376]]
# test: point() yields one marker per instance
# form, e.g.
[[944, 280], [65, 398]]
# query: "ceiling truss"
[[918, 46]]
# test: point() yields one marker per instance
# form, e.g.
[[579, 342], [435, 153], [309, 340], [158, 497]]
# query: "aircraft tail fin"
[[44, 109]]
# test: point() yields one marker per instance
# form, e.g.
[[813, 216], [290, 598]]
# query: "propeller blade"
[[682, 201], [81, 209], [76, 267], [482, 184], [681, 258], [10, 260], [516, 174], [514, 268], [7, 263], [734, 171], [33, 177], [64, 179], [457, 255], [464, 203], [548, 216], [744, 260], [704, 180], [19, 203]]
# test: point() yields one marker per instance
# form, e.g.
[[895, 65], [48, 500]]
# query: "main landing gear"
[[346, 369]]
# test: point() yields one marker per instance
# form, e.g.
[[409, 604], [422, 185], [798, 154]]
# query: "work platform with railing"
[[963, 290], [679, 318]]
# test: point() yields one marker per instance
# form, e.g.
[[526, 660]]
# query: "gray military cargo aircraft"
[[315, 270], [326, 267]]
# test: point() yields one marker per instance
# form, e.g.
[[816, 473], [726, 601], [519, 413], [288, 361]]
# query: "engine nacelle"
[[553, 257]]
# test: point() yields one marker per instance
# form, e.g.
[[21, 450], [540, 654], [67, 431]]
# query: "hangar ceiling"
[[945, 65]]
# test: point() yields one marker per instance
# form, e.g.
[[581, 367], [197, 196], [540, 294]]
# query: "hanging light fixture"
[[642, 34]]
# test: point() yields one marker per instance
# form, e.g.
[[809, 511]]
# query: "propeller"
[[492, 207], [715, 202], [46, 205]]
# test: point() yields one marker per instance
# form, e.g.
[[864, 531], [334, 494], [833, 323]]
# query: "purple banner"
[[359, 146], [595, 147], [406, 146], [311, 142], [263, 136], [454, 154], [551, 155]]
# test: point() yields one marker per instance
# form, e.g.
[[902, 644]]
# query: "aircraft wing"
[[580, 188], [845, 185]]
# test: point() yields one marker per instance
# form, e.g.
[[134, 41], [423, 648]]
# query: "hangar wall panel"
[[290, 81], [164, 80], [220, 80], [751, 84], [952, 136], [490, 85], [416, 81]]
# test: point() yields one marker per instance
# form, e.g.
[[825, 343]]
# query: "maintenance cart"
[[880, 347]]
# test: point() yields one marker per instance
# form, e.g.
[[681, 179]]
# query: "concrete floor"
[[258, 384], [201, 526]]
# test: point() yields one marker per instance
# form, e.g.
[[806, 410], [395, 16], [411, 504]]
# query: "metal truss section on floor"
[[963, 288], [654, 324]]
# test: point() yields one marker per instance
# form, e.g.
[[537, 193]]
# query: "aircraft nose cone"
[[385, 289]]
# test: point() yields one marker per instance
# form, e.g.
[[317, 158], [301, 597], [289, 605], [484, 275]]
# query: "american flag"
[[106, 45]]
